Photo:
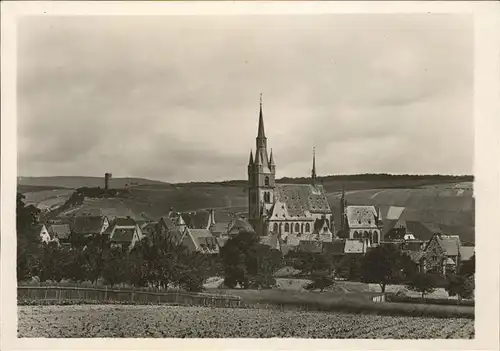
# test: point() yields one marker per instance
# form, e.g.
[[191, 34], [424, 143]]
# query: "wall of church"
[[372, 234]]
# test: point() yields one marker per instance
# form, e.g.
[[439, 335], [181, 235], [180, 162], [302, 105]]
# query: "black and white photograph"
[[265, 175]]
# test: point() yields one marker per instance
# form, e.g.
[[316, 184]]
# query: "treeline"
[[365, 177]]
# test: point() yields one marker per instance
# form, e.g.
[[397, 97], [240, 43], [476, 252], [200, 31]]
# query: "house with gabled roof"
[[199, 240], [59, 233], [444, 254], [123, 232], [88, 225]]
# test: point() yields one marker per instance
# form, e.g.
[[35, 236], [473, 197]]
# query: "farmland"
[[197, 322]]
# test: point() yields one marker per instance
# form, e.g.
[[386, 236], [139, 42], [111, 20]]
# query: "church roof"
[[361, 217], [302, 199]]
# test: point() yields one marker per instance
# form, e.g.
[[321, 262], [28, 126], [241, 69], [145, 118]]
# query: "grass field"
[[202, 322]]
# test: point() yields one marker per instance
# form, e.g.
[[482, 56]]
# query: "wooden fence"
[[59, 294]]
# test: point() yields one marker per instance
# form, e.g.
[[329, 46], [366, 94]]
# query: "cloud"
[[373, 93]]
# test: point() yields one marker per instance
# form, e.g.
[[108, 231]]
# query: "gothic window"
[[356, 235], [275, 227], [267, 197], [308, 227], [266, 181], [297, 227], [287, 227], [375, 238]]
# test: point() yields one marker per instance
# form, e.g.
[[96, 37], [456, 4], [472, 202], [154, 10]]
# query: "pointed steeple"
[[258, 158], [250, 161], [261, 134], [271, 161], [313, 173]]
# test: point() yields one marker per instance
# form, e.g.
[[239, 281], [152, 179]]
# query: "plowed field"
[[202, 322]]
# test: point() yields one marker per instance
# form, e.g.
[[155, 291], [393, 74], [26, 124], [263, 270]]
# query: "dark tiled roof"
[[416, 245], [238, 225], [420, 230], [123, 235], [219, 228], [300, 198], [335, 247], [310, 246], [62, 231], [124, 221], [87, 224], [196, 220], [319, 224], [204, 239]]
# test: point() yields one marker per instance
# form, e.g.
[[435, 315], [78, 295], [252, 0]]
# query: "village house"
[[43, 233], [444, 254], [202, 219], [60, 233], [123, 233], [88, 225]]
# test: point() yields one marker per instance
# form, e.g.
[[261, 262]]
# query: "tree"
[[460, 286], [53, 261], [95, 253], [350, 267], [321, 281], [114, 268], [248, 263], [382, 265], [28, 240], [468, 268], [309, 262], [424, 283]]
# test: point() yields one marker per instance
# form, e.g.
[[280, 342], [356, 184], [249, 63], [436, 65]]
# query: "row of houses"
[[200, 231]]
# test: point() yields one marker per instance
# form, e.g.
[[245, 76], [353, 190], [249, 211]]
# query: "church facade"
[[293, 212]]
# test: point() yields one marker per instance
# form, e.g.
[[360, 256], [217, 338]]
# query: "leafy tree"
[[424, 283], [310, 262], [28, 240], [95, 253], [350, 267], [460, 286], [468, 268], [320, 281], [75, 267], [382, 265], [114, 266], [248, 263], [52, 263]]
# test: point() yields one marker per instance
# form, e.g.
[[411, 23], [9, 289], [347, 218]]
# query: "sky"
[[176, 98]]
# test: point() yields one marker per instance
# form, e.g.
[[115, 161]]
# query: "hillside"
[[436, 201], [74, 182]]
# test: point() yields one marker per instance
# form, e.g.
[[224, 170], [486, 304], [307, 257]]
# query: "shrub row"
[[433, 301]]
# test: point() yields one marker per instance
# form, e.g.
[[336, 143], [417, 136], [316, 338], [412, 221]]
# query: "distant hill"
[[73, 182]]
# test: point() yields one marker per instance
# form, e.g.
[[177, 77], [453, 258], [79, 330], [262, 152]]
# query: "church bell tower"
[[261, 180]]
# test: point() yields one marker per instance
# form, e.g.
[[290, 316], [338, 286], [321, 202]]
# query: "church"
[[292, 212]]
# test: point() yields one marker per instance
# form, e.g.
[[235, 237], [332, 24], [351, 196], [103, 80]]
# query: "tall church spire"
[[261, 134], [313, 174]]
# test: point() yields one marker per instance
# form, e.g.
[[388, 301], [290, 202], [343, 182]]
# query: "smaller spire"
[[250, 161], [258, 158], [271, 158], [313, 174]]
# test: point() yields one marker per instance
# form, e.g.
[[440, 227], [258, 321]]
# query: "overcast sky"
[[177, 98]]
